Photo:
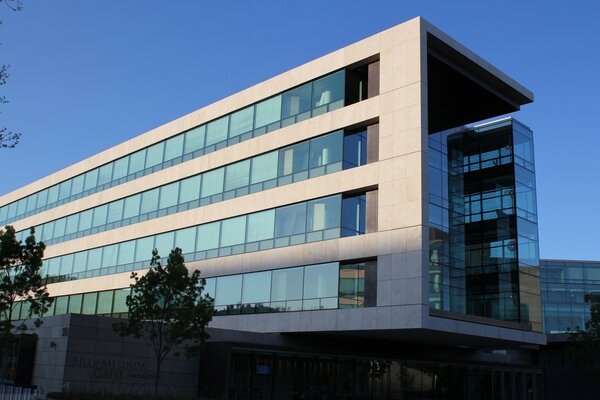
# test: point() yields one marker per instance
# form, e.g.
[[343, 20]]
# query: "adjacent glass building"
[[355, 202]]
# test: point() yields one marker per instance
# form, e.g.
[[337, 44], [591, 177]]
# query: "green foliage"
[[167, 309], [20, 281], [584, 346]]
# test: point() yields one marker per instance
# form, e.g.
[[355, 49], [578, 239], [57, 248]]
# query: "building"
[[362, 232]]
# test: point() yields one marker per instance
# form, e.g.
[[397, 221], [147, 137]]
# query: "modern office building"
[[363, 232]]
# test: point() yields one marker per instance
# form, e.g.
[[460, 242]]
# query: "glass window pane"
[[287, 284], [61, 305], [143, 249], [190, 189], [326, 149], [94, 260], [296, 101], [77, 185], [52, 198], [154, 154], [293, 159], [210, 287], [120, 168], [174, 147], [164, 243], [268, 111], [355, 149], [71, 224], [256, 287], [136, 161], [91, 178], [168, 195], [64, 191], [264, 167], [321, 281], [126, 252], [59, 227], [42, 199], [212, 182], [99, 216], [328, 89], [89, 303], [229, 290], [216, 131], [105, 174], [75, 301], [30, 201], [290, 220], [353, 215], [149, 201], [80, 261], [66, 264], [115, 211], [194, 139], [237, 175], [241, 121], [233, 231], [208, 236], [105, 300], [132, 206], [109, 255], [324, 213], [186, 240], [119, 302], [261, 225]]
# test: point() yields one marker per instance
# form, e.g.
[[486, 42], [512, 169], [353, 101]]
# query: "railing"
[[20, 393]]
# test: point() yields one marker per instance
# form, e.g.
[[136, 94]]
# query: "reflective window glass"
[[174, 147], [120, 168], [143, 249], [326, 149], [89, 303], [91, 179], [109, 255], [105, 300], [194, 139], [80, 261], [126, 252], [290, 220], [216, 131], [115, 211], [321, 281], [261, 225], [328, 89], [136, 161], [228, 290], [71, 224], [154, 154], [186, 240], [61, 303], [353, 215], [168, 195], [42, 200], [256, 287], [241, 121], [233, 231], [149, 201], [105, 174], [119, 304], [64, 191], [189, 189], [30, 201], [268, 111], [264, 167], [323, 213], [131, 207], [164, 243], [77, 185], [66, 264], [287, 284], [59, 227], [52, 197], [212, 182], [208, 236], [296, 101], [293, 159], [94, 259], [75, 301], [237, 175], [99, 217]]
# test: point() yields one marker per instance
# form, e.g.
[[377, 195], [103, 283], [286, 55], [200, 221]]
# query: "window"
[[189, 189], [296, 101], [208, 236], [241, 121], [261, 226], [293, 159], [233, 231], [216, 131], [256, 287], [268, 111], [290, 220], [194, 139], [323, 213], [212, 182], [326, 149], [264, 167], [154, 154], [237, 175]]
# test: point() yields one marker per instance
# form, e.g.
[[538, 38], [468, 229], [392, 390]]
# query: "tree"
[[584, 345], [167, 309], [20, 282], [8, 138]]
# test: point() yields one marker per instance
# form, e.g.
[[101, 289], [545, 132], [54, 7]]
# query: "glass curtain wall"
[[483, 253]]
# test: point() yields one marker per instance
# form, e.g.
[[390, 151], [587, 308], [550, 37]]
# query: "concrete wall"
[[83, 353]]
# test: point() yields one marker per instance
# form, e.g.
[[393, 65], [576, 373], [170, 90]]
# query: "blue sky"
[[87, 75]]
